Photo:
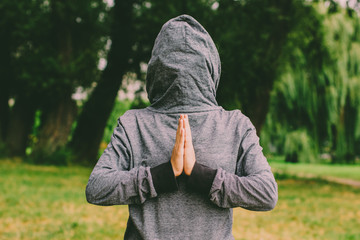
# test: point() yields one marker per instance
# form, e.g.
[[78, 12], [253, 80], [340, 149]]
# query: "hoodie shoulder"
[[239, 119], [236, 114], [132, 114]]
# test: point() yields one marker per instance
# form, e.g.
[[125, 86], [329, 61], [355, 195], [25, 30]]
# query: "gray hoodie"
[[230, 170]]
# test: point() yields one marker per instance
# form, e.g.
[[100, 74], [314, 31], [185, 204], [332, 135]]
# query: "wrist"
[[163, 178], [176, 170], [188, 170], [201, 178], [177, 173]]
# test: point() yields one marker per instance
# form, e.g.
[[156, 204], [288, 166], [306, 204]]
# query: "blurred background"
[[69, 69]]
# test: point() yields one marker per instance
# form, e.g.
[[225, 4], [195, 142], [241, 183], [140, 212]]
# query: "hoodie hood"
[[184, 70]]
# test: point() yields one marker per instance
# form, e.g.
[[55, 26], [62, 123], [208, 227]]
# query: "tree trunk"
[[6, 77], [92, 121], [59, 110], [4, 111], [343, 135], [258, 108], [20, 124], [56, 123]]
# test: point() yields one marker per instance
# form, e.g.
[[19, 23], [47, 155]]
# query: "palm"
[[177, 156], [183, 154]]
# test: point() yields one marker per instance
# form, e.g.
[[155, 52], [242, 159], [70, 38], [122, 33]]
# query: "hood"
[[184, 70]]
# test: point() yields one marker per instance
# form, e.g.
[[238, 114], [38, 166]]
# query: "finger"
[[179, 122], [188, 129], [179, 146], [185, 127], [178, 132], [182, 138], [182, 132], [179, 127]]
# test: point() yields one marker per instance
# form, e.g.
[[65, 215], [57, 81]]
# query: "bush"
[[62, 157], [299, 147], [3, 150]]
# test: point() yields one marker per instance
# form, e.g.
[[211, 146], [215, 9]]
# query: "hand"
[[177, 156], [189, 153]]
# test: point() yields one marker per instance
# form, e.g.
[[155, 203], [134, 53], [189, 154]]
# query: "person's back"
[[230, 169]]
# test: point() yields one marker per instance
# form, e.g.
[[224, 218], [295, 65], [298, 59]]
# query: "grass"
[[45, 202], [318, 170], [307, 209]]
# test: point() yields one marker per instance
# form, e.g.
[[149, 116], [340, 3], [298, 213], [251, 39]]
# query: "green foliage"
[[299, 147], [53, 45], [119, 109], [139, 103], [3, 150], [33, 137], [61, 157], [316, 85], [250, 40], [50, 47]]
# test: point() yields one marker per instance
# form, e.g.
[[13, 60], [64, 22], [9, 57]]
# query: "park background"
[[69, 69]]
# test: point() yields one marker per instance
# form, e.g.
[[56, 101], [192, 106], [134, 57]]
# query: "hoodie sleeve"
[[253, 186], [114, 182]]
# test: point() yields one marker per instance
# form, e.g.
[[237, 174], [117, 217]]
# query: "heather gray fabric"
[[184, 69], [183, 75]]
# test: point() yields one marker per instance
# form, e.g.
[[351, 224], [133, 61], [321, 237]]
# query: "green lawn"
[[319, 170], [43, 202]]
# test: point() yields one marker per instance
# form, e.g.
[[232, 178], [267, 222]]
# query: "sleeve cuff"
[[163, 178], [201, 178]]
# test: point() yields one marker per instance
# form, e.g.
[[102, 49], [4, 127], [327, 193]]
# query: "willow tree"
[[315, 101], [250, 36]]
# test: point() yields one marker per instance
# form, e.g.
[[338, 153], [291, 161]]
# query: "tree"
[[49, 48], [250, 36], [18, 43], [73, 45], [315, 93], [90, 127]]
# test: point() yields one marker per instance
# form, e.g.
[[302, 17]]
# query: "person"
[[184, 162]]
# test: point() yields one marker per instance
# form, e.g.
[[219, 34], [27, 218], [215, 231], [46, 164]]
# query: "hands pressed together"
[[183, 154]]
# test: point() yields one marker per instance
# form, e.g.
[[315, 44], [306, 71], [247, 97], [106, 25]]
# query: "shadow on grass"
[[282, 175], [279, 175]]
